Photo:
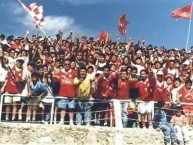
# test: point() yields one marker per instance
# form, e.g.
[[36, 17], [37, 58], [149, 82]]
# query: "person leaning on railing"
[[36, 92]]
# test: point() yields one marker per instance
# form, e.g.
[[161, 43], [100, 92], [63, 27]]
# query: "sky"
[[149, 19]]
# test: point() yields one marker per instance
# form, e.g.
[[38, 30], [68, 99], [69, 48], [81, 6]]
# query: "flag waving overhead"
[[36, 12], [184, 12], [122, 24]]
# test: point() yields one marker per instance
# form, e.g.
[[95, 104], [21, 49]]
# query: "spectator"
[[83, 83], [185, 95], [160, 123], [14, 84], [104, 81], [145, 107], [67, 90], [179, 122], [36, 92], [124, 85]]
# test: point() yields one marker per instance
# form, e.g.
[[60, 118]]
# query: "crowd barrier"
[[115, 112]]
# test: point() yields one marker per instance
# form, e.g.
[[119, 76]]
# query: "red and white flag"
[[184, 12], [36, 12], [122, 24]]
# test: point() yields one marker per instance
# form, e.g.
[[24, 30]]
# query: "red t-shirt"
[[67, 88], [103, 85], [186, 96], [160, 92], [144, 90], [12, 87], [123, 89]]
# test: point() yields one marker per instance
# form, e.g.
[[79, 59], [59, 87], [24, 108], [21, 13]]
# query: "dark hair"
[[20, 61], [160, 104], [106, 67], [178, 108], [143, 70], [177, 79], [35, 74], [188, 81], [134, 68]]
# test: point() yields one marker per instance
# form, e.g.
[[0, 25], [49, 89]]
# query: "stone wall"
[[14, 133]]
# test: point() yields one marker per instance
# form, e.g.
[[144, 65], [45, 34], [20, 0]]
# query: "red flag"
[[122, 24], [102, 36], [184, 12], [36, 12]]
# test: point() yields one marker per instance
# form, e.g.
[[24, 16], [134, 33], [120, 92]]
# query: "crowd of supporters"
[[88, 73]]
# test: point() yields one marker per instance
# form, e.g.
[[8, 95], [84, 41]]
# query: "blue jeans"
[[124, 114], [169, 132], [83, 109]]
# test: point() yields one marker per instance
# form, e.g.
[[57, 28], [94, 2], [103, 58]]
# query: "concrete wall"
[[14, 133]]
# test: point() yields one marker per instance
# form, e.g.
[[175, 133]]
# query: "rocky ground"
[[33, 134]]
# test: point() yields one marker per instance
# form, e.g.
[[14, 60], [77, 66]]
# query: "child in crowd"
[[160, 123], [179, 123]]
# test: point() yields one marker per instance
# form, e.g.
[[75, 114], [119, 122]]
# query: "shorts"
[[145, 107], [11, 99], [34, 102], [64, 103]]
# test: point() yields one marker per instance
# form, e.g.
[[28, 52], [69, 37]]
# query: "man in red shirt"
[[185, 95], [123, 94], [145, 92], [160, 92], [14, 85], [67, 90], [104, 81]]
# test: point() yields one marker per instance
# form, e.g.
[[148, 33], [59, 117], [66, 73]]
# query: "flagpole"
[[189, 28], [24, 7]]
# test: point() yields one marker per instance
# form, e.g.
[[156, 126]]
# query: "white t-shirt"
[[3, 74]]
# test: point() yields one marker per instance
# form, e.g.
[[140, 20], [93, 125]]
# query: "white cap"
[[186, 62], [159, 72]]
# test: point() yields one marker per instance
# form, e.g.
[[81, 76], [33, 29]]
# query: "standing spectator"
[[36, 92], [171, 69], [160, 123], [67, 90], [160, 93], [14, 84], [145, 95], [83, 83], [179, 122], [3, 74], [124, 85], [11, 58], [185, 95], [104, 81], [133, 93], [27, 70]]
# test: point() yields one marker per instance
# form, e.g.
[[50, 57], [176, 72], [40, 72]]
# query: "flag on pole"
[[36, 12], [184, 12], [122, 24]]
